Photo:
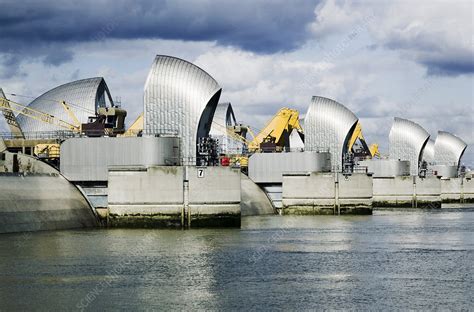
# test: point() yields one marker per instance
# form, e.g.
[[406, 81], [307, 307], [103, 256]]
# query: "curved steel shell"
[[407, 140], [429, 151], [328, 125], [179, 98], [223, 118], [448, 149], [84, 97]]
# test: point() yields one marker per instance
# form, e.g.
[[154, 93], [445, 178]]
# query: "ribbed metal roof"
[[429, 151], [223, 116], [181, 98], [328, 125], [407, 140], [448, 149], [84, 97]]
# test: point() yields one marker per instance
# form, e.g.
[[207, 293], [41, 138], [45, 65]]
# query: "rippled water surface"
[[392, 260]]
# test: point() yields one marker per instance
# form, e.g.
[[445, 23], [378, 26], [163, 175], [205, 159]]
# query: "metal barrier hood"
[[448, 149], [328, 126], [407, 141], [180, 98], [224, 117], [429, 151], [84, 96]]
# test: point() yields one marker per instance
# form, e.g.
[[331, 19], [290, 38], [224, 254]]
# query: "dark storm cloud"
[[258, 26], [438, 58], [450, 67], [11, 64]]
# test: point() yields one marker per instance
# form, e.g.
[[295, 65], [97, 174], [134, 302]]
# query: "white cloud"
[[259, 85], [333, 16], [436, 34]]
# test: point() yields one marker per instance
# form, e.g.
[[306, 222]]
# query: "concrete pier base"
[[407, 191], [35, 197], [254, 201], [318, 193], [174, 196], [457, 190]]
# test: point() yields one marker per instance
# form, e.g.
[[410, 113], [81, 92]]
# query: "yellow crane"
[[372, 150], [10, 118], [135, 128], [73, 117], [273, 137], [276, 131], [42, 150], [232, 132], [14, 107], [108, 121]]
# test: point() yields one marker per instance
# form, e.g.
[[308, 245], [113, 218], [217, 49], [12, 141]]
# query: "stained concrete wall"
[[164, 196], [428, 192], [409, 191], [468, 190], [325, 193], [393, 191], [386, 167], [355, 190], [156, 184], [214, 194], [88, 159], [457, 190], [151, 197]]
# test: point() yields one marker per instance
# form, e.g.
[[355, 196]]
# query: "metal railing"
[[66, 134], [160, 132], [41, 135]]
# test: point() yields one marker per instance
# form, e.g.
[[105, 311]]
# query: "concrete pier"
[[35, 197], [407, 191], [457, 190], [174, 196], [326, 193], [254, 201]]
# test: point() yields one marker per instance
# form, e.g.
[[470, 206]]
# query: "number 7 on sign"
[[200, 173]]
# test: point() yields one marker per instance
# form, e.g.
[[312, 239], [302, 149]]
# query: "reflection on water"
[[400, 259]]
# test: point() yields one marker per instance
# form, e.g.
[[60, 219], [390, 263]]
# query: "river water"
[[400, 259]]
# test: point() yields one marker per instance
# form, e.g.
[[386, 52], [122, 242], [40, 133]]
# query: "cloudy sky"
[[379, 58]]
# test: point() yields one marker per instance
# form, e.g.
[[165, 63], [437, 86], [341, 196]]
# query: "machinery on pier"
[[358, 150], [108, 121], [274, 137], [10, 118], [136, 128], [359, 147], [13, 107]]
